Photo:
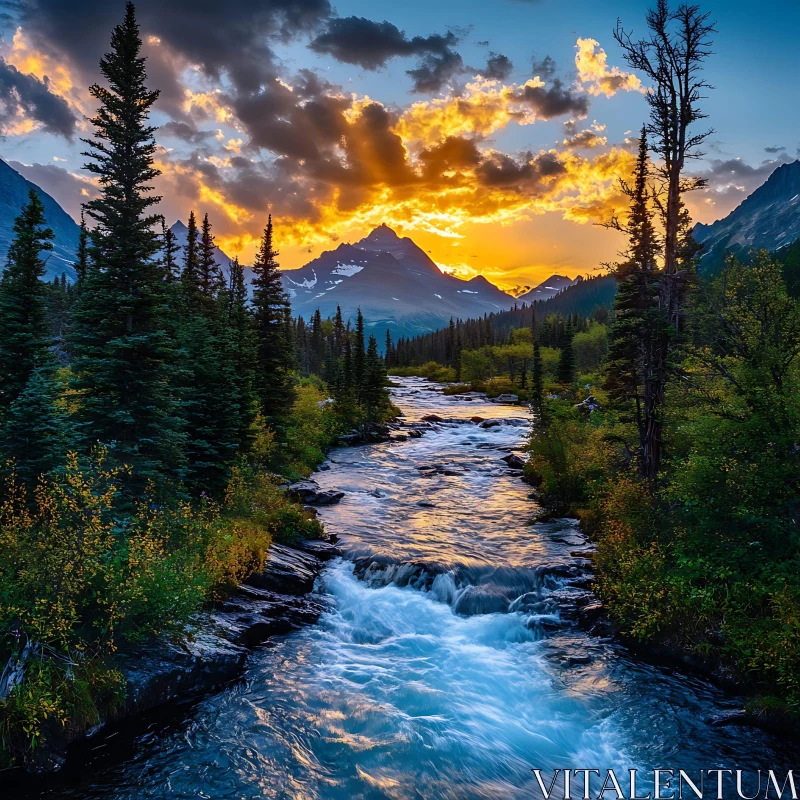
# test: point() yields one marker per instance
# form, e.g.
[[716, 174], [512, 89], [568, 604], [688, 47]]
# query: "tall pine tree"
[[274, 379], [639, 324], [123, 356], [24, 329]]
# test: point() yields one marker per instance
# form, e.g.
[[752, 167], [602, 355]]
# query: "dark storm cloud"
[[184, 131], [554, 101], [453, 154], [370, 44], [27, 94], [498, 67], [234, 36], [434, 71], [529, 173]]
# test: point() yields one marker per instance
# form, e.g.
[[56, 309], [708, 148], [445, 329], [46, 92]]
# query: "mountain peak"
[[179, 225], [383, 233]]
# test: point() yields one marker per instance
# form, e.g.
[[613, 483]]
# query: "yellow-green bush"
[[78, 580]]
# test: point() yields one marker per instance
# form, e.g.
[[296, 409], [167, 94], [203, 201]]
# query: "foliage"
[[707, 559], [79, 582]]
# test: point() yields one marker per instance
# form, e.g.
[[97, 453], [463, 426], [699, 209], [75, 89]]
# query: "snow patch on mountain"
[[306, 284], [348, 270]]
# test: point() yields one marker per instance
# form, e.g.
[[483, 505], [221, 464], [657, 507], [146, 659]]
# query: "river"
[[443, 667]]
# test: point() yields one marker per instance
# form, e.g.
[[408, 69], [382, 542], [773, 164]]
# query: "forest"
[[150, 416]]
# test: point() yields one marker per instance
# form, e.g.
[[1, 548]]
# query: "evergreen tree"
[[275, 358], [211, 280], [317, 344], [191, 281], [359, 357], [169, 252], [123, 354], [34, 433], [209, 387], [374, 391], [338, 332], [388, 354], [566, 361], [242, 351], [24, 329], [639, 324], [82, 262]]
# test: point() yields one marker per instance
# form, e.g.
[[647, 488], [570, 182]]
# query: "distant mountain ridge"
[[549, 288], [13, 196], [769, 218], [394, 282]]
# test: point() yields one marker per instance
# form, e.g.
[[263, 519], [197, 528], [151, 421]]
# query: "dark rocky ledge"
[[213, 650]]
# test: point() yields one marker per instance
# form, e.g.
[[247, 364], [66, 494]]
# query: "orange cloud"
[[23, 55], [485, 107], [595, 74]]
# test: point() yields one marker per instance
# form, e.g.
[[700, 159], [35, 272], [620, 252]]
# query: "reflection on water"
[[409, 687]]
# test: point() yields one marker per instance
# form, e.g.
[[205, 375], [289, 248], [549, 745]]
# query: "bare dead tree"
[[672, 57]]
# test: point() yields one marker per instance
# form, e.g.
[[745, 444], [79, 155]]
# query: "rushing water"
[[441, 669]]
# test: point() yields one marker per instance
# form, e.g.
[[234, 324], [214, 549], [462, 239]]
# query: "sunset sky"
[[492, 133]]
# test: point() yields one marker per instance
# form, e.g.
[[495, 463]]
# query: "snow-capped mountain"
[[394, 283], [547, 289]]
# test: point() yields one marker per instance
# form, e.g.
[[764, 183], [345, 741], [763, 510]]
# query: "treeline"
[[446, 345], [144, 410], [686, 469]]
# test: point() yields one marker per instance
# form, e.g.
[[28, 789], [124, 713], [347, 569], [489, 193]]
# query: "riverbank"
[[680, 586]]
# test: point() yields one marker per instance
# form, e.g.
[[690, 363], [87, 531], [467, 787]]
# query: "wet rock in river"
[[288, 571], [312, 493], [514, 461], [432, 418], [324, 551]]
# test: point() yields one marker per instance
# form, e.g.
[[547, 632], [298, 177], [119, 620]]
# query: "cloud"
[[244, 137], [777, 148], [485, 106], [498, 67], [435, 70], [235, 37], [184, 131], [27, 104], [554, 101], [369, 44], [584, 139], [595, 75], [546, 68]]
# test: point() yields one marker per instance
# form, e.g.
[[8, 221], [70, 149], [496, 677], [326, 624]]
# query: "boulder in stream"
[[514, 461], [288, 571], [312, 493]]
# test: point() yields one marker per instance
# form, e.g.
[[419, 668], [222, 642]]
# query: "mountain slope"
[[13, 195], [547, 289], [394, 283], [769, 218]]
